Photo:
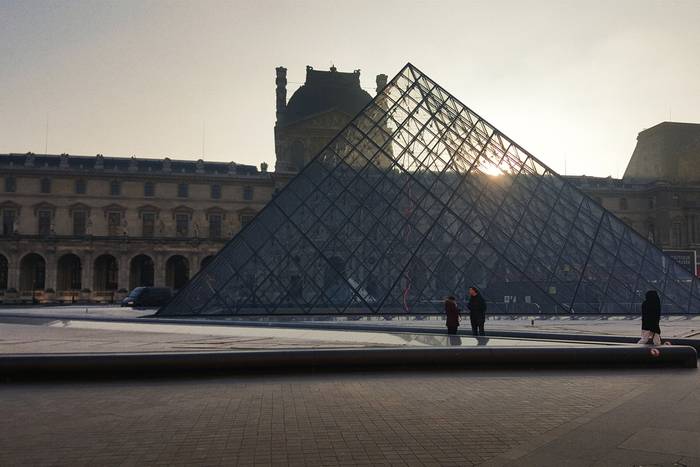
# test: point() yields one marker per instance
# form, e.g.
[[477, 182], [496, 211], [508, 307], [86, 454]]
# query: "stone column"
[[123, 276], [86, 265], [50, 272], [13, 271], [195, 260], [159, 270]]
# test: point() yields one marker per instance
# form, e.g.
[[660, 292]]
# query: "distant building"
[[659, 193], [315, 113], [91, 228]]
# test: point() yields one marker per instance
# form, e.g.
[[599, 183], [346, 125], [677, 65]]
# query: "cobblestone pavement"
[[434, 418]]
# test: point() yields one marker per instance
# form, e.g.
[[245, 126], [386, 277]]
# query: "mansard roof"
[[110, 165]]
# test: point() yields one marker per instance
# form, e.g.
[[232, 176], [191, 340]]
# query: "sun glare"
[[491, 170]]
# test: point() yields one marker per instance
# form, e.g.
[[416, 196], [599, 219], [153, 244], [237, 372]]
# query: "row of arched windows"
[[32, 272]]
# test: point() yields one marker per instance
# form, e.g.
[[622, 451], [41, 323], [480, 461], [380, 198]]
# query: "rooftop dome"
[[324, 91]]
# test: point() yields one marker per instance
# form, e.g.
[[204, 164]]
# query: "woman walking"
[[651, 314], [452, 315], [477, 311]]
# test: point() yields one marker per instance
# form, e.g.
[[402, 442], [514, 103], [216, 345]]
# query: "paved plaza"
[[441, 418], [517, 417]]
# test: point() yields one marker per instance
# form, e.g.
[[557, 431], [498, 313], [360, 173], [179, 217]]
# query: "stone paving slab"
[[443, 418]]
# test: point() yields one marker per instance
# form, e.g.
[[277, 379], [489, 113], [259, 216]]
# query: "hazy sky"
[[572, 81]]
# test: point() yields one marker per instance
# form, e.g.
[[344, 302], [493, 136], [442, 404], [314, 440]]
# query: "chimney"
[[281, 82], [381, 82]]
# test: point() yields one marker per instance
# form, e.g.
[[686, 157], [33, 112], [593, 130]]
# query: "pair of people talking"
[[477, 312]]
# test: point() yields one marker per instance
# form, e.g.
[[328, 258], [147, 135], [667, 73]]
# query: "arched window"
[[3, 272], [105, 273], [177, 272], [205, 261], [141, 272], [68, 273], [32, 272]]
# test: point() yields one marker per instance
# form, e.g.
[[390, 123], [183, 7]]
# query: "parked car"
[[148, 296]]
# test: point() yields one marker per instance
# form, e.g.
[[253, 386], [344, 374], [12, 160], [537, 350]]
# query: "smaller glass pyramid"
[[419, 198]]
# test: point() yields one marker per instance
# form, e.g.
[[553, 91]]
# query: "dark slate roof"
[[324, 91], [124, 164]]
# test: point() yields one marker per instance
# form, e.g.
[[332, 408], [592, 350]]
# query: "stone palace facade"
[[92, 228]]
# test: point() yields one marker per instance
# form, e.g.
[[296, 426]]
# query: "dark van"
[[148, 296]]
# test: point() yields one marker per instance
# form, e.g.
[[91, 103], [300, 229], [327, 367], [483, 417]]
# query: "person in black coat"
[[452, 315], [477, 311], [651, 314]]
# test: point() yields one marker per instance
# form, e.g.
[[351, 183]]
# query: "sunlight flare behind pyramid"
[[418, 198]]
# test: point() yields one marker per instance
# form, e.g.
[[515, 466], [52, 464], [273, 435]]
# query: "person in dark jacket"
[[477, 311], [651, 314], [452, 315]]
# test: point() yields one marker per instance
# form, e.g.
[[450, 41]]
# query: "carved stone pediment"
[[114, 208], [182, 209], [149, 208], [215, 210], [78, 207], [44, 206]]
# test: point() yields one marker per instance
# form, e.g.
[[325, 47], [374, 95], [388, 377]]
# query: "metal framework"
[[418, 197]]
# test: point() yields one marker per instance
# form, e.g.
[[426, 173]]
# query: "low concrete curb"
[[40, 366]]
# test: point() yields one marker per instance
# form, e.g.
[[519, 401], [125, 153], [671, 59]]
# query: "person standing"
[[452, 315], [477, 311], [651, 314]]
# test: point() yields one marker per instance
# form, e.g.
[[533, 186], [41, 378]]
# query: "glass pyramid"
[[419, 198]]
